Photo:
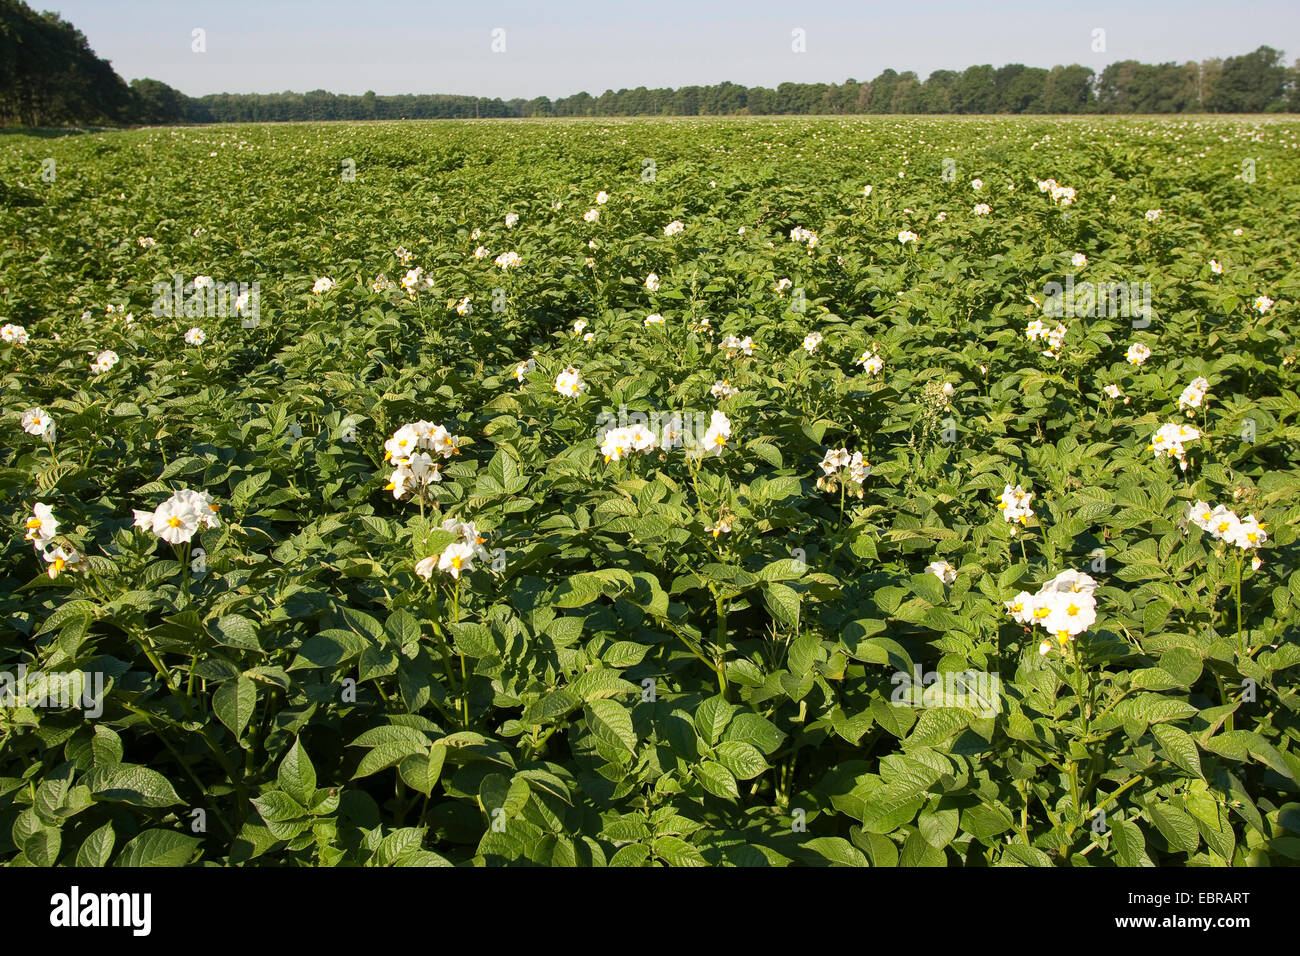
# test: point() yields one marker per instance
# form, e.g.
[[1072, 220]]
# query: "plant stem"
[[721, 640], [464, 677], [1240, 644]]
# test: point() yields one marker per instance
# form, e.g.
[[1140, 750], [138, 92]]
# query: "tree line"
[[49, 76]]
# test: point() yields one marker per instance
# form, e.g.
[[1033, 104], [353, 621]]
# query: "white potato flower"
[[652, 282], [602, 197], [323, 284], [859, 468], [469, 535], [1068, 614], [733, 344], [1078, 260], [1169, 440], [716, 435], [942, 570], [413, 473], [654, 319], [195, 336], [42, 525], [1137, 353], [722, 526], [906, 236], [404, 443], [811, 341], [1014, 505], [1021, 608], [591, 215], [982, 209], [104, 361], [175, 521], [13, 334], [1065, 607], [36, 422], [60, 560], [674, 228], [456, 559], [1200, 514], [1193, 395], [508, 260], [1248, 533], [204, 508], [615, 444], [834, 460], [512, 218], [871, 363], [569, 383]]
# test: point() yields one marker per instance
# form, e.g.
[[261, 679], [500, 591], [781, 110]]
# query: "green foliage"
[[657, 661]]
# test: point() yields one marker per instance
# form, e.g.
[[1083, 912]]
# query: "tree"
[[50, 75], [1252, 83], [156, 102], [974, 92], [1068, 89]]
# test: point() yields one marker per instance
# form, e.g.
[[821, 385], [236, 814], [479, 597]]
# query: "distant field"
[[890, 490]]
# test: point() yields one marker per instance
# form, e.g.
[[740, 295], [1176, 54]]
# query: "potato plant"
[[804, 492]]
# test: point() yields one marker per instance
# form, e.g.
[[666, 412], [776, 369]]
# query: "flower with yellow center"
[[456, 559], [42, 525], [36, 422], [60, 560]]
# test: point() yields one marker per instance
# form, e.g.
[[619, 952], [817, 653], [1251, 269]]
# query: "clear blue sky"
[[559, 47]]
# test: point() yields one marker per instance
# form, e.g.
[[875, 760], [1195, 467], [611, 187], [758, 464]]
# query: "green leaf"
[[1129, 843], [839, 851], [717, 779], [106, 748], [297, 777], [158, 848], [384, 755], [676, 852], [612, 722], [42, 846], [128, 783], [742, 759], [1179, 747], [421, 771], [276, 806], [755, 729], [234, 702], [711, 718], [96, 848], [782, 602], [236, 631]]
